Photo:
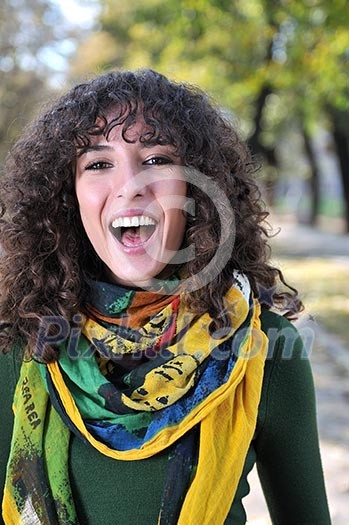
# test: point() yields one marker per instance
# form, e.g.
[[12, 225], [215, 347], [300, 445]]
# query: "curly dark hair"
[[47, 258]]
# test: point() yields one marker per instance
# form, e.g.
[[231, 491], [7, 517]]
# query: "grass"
[[323, 284]]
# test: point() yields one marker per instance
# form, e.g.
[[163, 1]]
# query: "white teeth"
[[134, 222]]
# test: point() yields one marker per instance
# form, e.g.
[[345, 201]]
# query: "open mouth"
[[133, 231]]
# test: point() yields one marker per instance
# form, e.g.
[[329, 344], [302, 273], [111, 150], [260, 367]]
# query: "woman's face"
[[131, 199]]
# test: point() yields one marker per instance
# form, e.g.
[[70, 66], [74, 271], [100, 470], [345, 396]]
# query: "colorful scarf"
[[131, 386]]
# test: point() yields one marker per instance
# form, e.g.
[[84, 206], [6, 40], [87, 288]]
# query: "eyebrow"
[[106, 147], [95, 147]]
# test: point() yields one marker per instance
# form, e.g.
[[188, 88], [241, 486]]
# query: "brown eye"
[[98, 165], [158, 161]]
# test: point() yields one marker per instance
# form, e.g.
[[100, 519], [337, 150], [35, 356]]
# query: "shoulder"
[[285, 340], [289, 348], [273, 320], [288, 377]]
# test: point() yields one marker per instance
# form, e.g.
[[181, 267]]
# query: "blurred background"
[[280, 70]]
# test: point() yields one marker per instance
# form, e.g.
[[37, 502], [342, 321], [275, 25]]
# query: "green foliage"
[[276, 64], [298, 47]]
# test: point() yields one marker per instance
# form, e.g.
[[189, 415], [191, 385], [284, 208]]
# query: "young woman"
[[143, 371]]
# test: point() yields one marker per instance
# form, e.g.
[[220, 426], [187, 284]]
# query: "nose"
[[131, 183]]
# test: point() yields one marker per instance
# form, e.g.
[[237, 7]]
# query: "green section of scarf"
[[151, 385], [37, 486]]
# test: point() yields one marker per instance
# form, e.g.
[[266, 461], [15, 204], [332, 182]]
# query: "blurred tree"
[[244, 53], [340, 130], [314, 176], [29, 32]]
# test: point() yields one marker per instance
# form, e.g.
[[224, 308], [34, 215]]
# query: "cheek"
[[170, 194], [173, 200], [91, 200], [175, 231]]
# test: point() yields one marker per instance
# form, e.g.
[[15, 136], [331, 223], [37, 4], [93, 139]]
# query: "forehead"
[[131, 131], [138, 135], [109, 129]]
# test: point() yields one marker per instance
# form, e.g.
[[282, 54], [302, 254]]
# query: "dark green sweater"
[[285, 446]]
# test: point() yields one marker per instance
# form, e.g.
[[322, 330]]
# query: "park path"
[[330, 363]]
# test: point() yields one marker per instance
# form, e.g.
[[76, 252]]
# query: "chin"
[[137, 280]]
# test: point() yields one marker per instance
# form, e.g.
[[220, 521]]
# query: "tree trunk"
[[258, 149], [267, 153], [314, 179], [259, 107], [341, 140]]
